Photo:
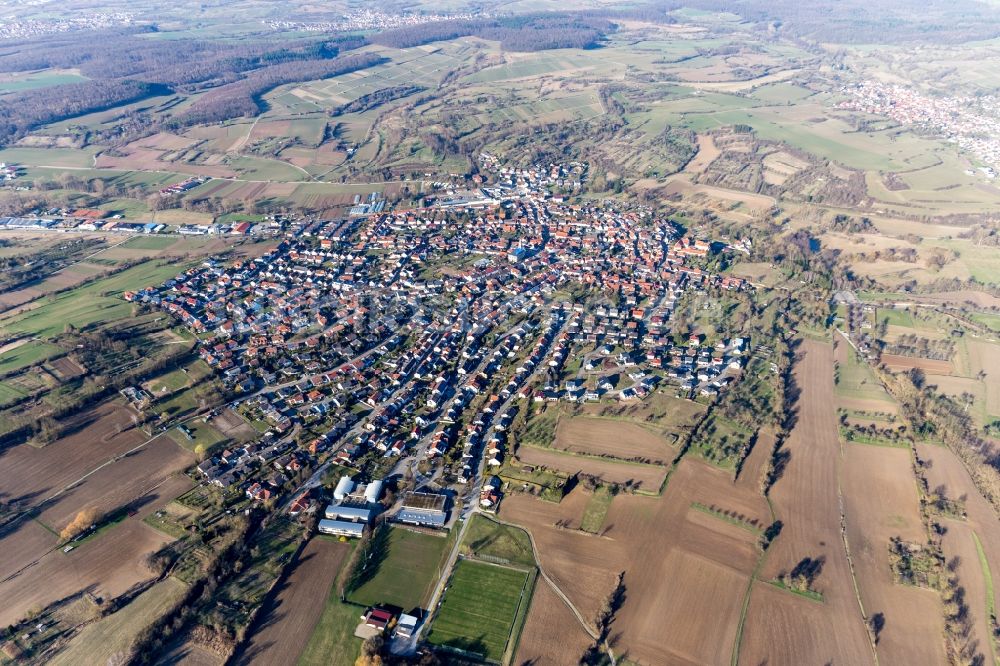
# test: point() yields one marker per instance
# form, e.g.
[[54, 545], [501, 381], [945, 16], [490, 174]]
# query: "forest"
[[126, 66]]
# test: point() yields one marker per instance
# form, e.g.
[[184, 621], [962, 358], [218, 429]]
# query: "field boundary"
[[811, 595], [991, 610], [720, 515], [592, 456]]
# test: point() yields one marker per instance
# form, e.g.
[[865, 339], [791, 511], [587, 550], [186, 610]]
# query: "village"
[[390, 354]]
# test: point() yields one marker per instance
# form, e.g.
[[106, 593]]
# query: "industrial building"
[[342, 528]]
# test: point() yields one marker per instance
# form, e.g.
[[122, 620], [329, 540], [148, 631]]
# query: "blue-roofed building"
[[424, 509]]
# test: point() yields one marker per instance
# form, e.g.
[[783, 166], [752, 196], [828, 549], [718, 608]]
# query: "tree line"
[[529, 32]]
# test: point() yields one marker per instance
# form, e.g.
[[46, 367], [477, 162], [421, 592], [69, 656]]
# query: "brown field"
[[576, 561], [695, 591], [648, 477], [985, 357], [12, 299], [881, 502], [552, 634], [23, 545], [31, 475], [165, 141], [607, 437], [61, 279], [132, 480], [233, 426], [947, 470], [867, 405], [707, 152], [188, 653], [897, 363], [685, 570], [137, 158], [977, 299], [107, 566], [657, 412], [780, 619], [162, 495], [66, 368], [806, 501], [287, 620]]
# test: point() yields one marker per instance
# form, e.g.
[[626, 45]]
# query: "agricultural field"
[[114, 634], [805, 500], [106, 566], [27, 354], [973, 541], [495, 542], [856, 386], [31, 475], [129, 481], [332, 642], [648, 538], [610, 438], [481, 607], [552, 634], [881, 503], [96, 303], [287, 621], [405, 567]]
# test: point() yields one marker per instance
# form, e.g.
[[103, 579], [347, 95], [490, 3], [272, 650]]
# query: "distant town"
[[972, 123]]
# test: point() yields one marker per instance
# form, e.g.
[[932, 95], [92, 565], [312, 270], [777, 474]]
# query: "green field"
[[10, 393], [855, 379], [150, 242], [49, 157], [203, 435], [596, 510], [479, 609], [487, 538], [27, 354], [39, 80], [332, 642], [175, 380], [896, 317], [94, 303], [407, 572]]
